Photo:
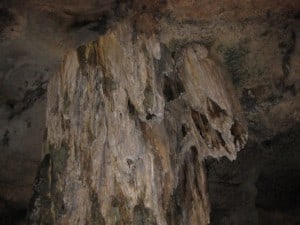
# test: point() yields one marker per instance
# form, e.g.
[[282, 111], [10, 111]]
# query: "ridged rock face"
[[129, 123]]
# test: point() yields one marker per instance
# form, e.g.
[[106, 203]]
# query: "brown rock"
[[113, 133]]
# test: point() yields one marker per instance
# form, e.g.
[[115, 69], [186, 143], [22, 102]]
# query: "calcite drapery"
[[128, 125]]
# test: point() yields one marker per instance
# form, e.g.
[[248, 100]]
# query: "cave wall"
[[218, 53], [261, 186], [22, 125]]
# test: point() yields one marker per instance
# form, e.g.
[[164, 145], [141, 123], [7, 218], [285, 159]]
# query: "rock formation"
[[140, 94], [128, 128]]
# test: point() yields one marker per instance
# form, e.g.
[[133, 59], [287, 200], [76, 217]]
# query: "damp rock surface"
[[140, 94], [118, 139]]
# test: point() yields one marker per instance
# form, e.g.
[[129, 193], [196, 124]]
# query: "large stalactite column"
[[128, 126]]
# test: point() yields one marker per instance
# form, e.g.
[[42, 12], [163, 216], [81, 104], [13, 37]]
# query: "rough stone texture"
[[262, 186], [128, 127], [187, 53], [34, 35]]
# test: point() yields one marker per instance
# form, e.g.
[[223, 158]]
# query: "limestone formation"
[[128, 128], [143, 100]]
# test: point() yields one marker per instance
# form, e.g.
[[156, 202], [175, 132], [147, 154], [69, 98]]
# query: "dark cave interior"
[[262, 185]]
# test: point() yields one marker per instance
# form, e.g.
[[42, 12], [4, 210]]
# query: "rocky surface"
[[128, 127], [147, 91], [34, 36]]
